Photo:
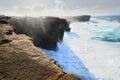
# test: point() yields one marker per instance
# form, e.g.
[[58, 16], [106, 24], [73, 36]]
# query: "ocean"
[[92, 49]]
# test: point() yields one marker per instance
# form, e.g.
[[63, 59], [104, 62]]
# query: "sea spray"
[[100, 57], [69, 61]]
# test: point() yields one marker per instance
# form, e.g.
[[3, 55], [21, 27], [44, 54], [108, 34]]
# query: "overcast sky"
[[59, 7]]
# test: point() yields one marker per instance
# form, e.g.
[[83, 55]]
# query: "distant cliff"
[[21, 60], [45, 31], [81, 18]]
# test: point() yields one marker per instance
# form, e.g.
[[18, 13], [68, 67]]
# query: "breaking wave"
[[69, 61]]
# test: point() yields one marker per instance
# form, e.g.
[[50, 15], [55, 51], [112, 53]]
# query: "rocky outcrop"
[[4, 19], [21, 60], [81, 18], [45, 31]]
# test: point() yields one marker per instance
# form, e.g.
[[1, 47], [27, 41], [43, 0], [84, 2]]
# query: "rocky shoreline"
[[21, 60]]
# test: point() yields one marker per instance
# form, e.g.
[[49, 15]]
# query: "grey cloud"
[[37, 6]]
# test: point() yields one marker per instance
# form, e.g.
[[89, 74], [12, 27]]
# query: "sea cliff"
[[45, 31], [20, 59]]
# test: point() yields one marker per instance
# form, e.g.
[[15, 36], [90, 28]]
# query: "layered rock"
[[21, 60], [45, 31]]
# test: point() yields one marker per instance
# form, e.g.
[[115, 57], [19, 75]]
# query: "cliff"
[[21, 60], [45, 31]]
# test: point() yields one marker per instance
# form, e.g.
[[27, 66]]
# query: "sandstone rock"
[[21, 60]]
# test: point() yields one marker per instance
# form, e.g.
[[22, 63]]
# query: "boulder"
[[45, 31]]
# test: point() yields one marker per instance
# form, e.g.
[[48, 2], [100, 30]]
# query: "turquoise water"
[[108, 18], [109, 34]]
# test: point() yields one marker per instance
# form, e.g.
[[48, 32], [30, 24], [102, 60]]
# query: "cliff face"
[[45, 31], [21, 60]]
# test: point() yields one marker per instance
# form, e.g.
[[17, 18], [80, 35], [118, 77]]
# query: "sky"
[[59, 7]]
